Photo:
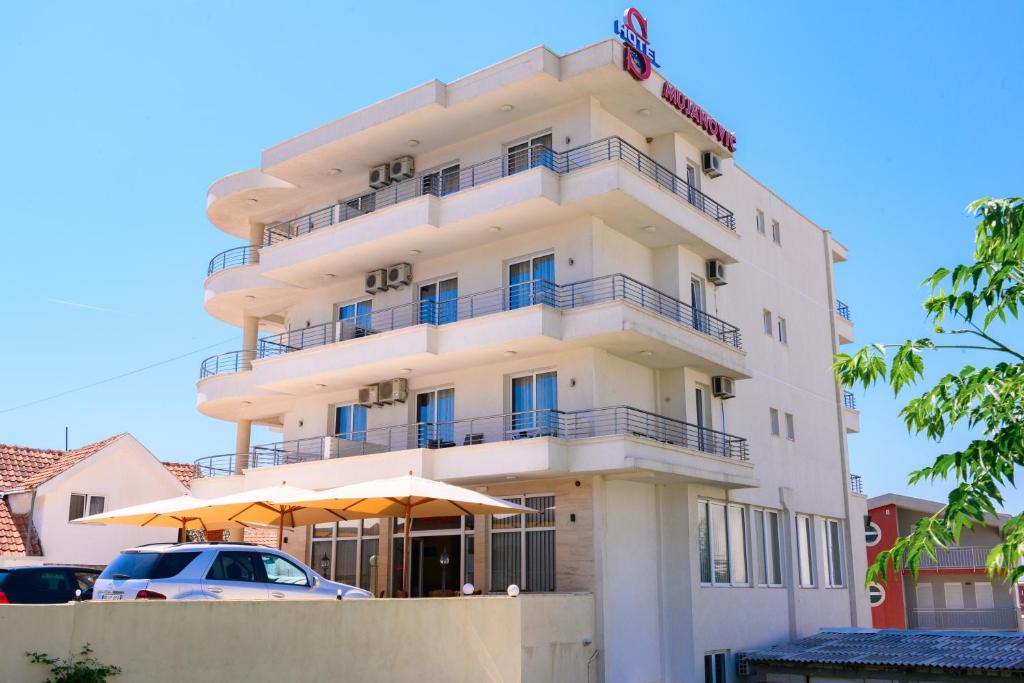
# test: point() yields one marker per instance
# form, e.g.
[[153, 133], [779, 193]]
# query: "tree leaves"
[[989, 400]]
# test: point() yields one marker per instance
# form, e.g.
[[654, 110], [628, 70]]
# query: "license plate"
[[111, 596]]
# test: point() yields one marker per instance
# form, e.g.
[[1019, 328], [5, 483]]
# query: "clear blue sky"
[[878, 120]]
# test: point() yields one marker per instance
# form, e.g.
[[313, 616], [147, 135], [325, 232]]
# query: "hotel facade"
[[550, 281]]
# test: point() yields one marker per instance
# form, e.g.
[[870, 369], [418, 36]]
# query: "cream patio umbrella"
[[278, 506], [408, 496], [181, 512]]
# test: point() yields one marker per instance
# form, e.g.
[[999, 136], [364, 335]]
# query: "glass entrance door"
[[435, 415], [438, 303], [531, 281]]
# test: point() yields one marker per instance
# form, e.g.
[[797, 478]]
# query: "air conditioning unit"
[[393, 391], [376, 281], [379, 176], [712, 165], [716, 272], [402, 168], [399, 274], [723, 387], [744, 667], [368, 396]]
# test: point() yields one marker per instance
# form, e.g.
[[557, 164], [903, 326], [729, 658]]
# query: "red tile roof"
[[182, 470], [23, 468], [14, 533]]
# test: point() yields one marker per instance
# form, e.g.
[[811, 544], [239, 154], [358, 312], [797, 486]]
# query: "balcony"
[[856, 484], [545, 442], [851, 416], [996, 619], [844, 323], [232, 258], [960, 557], [614, 312]]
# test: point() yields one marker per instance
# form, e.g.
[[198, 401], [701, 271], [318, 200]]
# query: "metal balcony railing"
[[849, 400], [960, 557], [998, 618], [232, 361], [856, 484], [239, 256], [843, 310], [439, 185], [579, 424]]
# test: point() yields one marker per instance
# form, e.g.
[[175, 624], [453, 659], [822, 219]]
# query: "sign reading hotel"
[[639, 59]]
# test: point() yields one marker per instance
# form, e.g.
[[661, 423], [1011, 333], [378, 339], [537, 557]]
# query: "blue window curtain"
[[350, 423], [355, 319], [547, 401], [435, 413], [447, 301], [519, 275], [522, 403], [428, 304]]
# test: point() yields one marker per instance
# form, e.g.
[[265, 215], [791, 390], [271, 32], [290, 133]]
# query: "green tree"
[[971, 306]]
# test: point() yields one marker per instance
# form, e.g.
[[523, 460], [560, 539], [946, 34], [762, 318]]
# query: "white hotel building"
[[525, 282]]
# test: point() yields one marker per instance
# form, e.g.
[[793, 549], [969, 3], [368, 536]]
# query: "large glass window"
[[722, 543], [523, 546], [441, 557], [531, 281], [347, 552], [350, 422], [768, 547], [355, 319], [833, 550], [534, 400], [805, 550], [435, 418], [439, 301]]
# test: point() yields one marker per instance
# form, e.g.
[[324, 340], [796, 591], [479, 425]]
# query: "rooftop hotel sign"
[[638, 59]]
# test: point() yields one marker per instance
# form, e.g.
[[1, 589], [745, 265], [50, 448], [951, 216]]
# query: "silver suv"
[[214, 571]]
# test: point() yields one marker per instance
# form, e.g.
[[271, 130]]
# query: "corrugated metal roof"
[[990, 651]]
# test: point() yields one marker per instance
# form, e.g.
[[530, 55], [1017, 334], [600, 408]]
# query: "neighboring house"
[[43, 492], [952, 591], [551, 281]]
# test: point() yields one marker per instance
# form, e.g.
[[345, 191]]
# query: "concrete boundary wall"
[[472, 640]]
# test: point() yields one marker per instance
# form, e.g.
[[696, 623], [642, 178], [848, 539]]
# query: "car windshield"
[[148, 565]]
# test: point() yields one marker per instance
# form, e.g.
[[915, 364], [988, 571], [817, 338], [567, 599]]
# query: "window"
[[715, 667], [983, 597], [872, 534], [805, 550], [768, 547], [776, 233], [441, 181], [759, 221], [783, 335], [530, 281], [790, 430], [80, 502], [924, 595], [767, 317], [439, 301], [347, 551], [833, 550], [350, 422], [530, 153], [523, 546], [355, 320], [534, 400], [773, 416], [233, 566], [876, 594], [722, 543], [435, 418], [280, 570]]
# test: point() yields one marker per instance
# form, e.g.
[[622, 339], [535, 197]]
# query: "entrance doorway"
[[441, 558]]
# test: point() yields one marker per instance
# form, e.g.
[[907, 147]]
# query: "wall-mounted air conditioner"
[[712, 165], [376, 281], [380, 176], [402, 168], [368, 396], [399, 274], [723, 387], [393, 391], [716, 272]]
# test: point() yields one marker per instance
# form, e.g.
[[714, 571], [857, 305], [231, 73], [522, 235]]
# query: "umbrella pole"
[[406, 552], [280, 531]]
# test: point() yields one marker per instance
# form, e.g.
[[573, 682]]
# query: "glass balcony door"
[[438, 302], [534, 397], [529, 154], [355, 319], [530, 281], [435, 413], [350, 422]]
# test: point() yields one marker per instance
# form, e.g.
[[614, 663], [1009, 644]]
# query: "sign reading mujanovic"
[[638, 58]]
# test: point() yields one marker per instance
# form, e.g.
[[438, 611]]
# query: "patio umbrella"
[[408, 497], [179, 512], [278, 506]]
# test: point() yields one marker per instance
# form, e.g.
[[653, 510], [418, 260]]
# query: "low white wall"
[[530, 638]]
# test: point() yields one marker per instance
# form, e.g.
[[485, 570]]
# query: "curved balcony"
[[522, 426], [570, 296], [585, 156], [233, 258]]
